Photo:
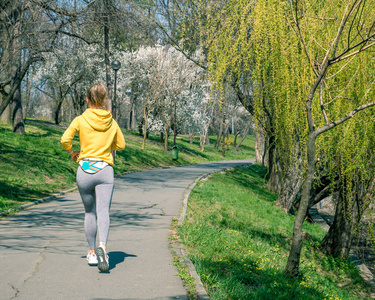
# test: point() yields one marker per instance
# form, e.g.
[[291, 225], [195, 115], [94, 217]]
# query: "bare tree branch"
[[340, 58], [16, 82], [301, 37], [325, 128], [321, 102], [81, 37]]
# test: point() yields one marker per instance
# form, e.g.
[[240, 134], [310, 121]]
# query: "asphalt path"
[[43, 248]]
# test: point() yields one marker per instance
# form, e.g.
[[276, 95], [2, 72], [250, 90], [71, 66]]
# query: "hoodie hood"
[[98, 119]]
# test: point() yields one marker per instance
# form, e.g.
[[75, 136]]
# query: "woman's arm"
[[118, 141], [67, 137]]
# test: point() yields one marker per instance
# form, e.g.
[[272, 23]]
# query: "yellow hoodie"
[[98, 135]]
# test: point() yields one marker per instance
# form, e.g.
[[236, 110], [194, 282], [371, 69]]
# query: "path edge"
[[36, 202]]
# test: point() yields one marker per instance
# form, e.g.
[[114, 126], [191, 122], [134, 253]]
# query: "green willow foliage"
[[257, 44], [256, 47], [282, 74]]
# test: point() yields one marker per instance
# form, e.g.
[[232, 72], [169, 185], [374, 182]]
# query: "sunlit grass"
[[32, 165], [239, 242], [35, 165]]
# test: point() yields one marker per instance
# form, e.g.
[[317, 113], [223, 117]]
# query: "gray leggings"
[[96, 193]]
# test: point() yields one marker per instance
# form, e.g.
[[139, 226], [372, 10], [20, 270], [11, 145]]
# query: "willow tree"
[[243, 55], [342, 32], [306, 65], [310, 66]]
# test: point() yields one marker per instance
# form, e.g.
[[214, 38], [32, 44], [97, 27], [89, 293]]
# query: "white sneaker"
[[103, 259], [92, 260]]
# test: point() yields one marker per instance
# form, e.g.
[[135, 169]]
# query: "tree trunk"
[[60, 101], [144, 135], [243, 137], [56, 113], [82, 103], [106, 53], [29, 82], [246, 100], [220, 132], [338, 240], [207, 128], [320, 195], [322, 190], [292, 266], [259, 146], [161, 137], [140, 127], [204, 138], [207, 138], [6, 116], [291, 188], [166, 139], [144, 129], [235, 139], [292, 182], [274, 169], [201, 142], [224, 143], [134, 119], [17, 116], [130, 120], [191, 136], [18, 124]]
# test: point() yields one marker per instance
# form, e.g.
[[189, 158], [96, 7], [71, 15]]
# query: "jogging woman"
[[99, 134]]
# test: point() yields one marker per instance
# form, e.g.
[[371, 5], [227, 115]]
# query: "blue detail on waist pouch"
[[85, 166], [92, 166]]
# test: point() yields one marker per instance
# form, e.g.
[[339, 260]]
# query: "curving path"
[[43, 249]]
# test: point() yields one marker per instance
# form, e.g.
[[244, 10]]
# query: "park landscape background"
[[237, 238], [296, 75]]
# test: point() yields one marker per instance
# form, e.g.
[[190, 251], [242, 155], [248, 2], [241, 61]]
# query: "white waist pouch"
[[92, 165]]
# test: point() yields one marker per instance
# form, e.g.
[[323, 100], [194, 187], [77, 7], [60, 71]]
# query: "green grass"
[[239, 243], [35, 165]]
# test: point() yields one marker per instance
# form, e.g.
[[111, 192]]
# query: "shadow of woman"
[[117, 257]]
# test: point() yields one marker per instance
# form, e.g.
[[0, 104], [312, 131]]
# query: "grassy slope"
[[35, 165], [239, 243]]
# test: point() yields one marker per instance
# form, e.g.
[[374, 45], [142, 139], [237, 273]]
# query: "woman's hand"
[[74, 155]]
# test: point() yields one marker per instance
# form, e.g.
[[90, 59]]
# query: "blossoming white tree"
[[160, 79], [62, 71]]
